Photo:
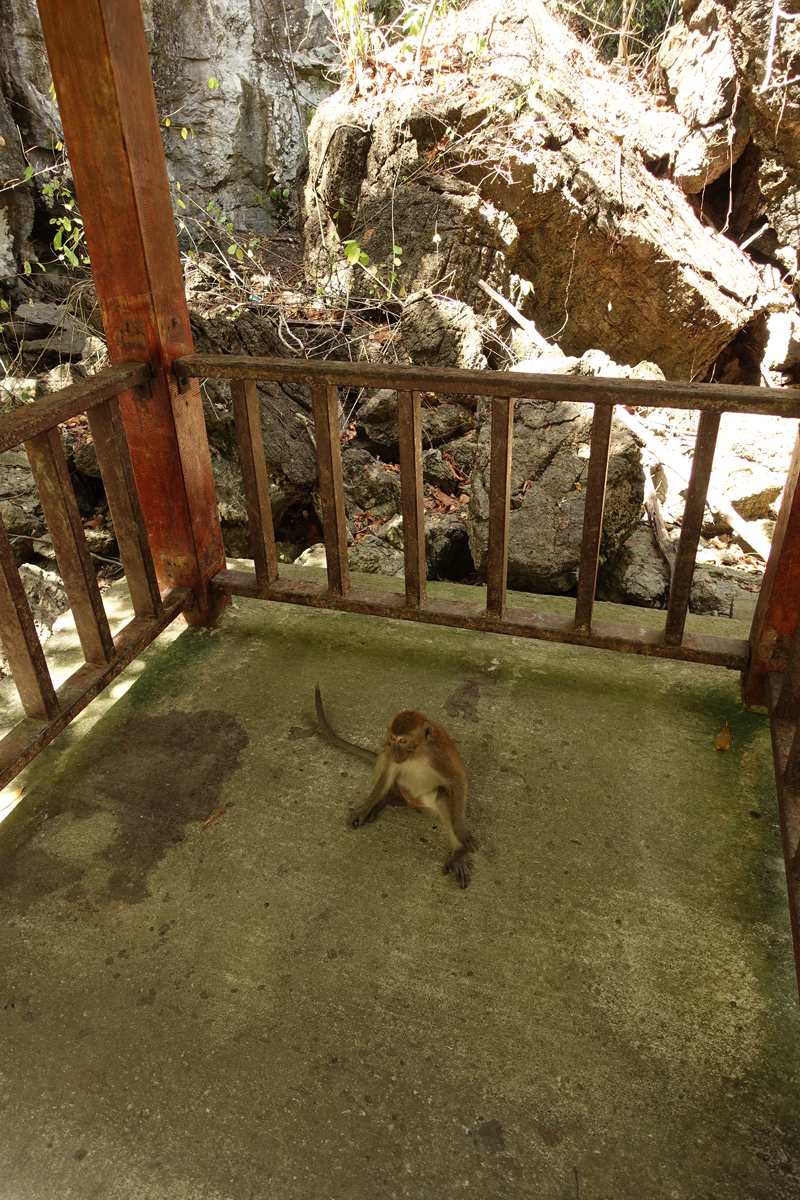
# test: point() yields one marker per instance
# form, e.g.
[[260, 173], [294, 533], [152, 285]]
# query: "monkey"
[[418, 765]]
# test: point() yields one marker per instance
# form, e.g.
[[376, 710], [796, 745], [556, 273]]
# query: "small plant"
[[68, 242]]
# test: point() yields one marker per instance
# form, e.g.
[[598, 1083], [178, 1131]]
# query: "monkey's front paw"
[[461, 865]]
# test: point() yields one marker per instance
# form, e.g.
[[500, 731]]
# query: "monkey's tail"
[[334, 737]]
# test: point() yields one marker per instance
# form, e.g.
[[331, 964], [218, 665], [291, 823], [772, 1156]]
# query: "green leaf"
[[184, 133], [28, 172], [209, 206], [239, 253], [67, 224], [363, 258], [26, 266], [232, 249], [52, 91], [213, 83], [167, 122], [397, 249], [179, 202], [57, 240], [351, 251], [47, 190], [398, 262], [4, 305], [286, 193], [71, 256]]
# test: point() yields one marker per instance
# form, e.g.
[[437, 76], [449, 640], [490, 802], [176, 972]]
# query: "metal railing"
[[47, 709]]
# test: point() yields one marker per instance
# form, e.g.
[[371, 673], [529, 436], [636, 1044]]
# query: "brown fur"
[[419, 763]]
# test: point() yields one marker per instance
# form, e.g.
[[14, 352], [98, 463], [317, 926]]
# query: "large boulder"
[[574, 226], [726, 70]]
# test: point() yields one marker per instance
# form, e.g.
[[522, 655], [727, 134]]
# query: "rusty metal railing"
[[47, 709]]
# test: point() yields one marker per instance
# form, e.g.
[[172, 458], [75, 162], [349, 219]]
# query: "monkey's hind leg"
[[461, 839]]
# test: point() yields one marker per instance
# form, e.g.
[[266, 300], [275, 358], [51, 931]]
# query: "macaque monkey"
[[419, 764]]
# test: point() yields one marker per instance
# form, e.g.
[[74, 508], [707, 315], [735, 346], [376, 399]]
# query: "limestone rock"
[[369, 485], [376, 420], [244, 137], [581, 225], [548, 494]]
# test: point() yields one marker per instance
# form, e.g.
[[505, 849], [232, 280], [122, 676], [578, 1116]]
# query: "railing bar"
[[549, 627], [716, 397], [784, 752], [499, 504], [254, 477], [21, 641], [325, 400], [116, 469], [28, 738], [49, 411], [681, 586], [593, 515], [409, 418], [788, 703], [57, 498]]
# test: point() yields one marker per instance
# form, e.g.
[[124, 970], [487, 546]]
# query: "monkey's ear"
[[428, 731]]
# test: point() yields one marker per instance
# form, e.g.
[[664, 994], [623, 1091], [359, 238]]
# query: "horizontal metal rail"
[[48, 710]]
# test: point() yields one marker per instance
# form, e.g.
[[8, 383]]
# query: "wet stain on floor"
[[160, 775]]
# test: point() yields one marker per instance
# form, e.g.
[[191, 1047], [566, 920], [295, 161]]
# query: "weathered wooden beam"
[[101, 73], [646, 393], [548, 627], [21, 641], [116, 469], [682, 575], [331, 487], [254, 478], [29, 737], [42, 414], [409, 422], [776, 615], [64, 524], [499, 504], [593, 515]]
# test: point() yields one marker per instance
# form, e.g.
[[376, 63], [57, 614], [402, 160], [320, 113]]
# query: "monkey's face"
[[400, 747]]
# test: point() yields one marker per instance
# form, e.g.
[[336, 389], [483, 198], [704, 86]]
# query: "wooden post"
[[101, 72], [778, 606]]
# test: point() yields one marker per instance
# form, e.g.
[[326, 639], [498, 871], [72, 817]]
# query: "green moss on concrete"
[[278, 1006]]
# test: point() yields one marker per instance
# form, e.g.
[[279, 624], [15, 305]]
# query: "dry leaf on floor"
[[724, 738]]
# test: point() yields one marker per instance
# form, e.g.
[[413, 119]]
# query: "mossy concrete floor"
[[274, 1006]]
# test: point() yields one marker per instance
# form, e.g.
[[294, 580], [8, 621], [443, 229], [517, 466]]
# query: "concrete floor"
[[277, 1007]]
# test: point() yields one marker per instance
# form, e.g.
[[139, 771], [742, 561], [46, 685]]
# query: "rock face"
[[616, 257], [548, 494], [243, 138], [726, 74]]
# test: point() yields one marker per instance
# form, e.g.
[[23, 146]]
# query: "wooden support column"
[[778, 606], [101, 72]]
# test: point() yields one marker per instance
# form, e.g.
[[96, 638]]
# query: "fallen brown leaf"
[[724, 738], [212, 820]]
